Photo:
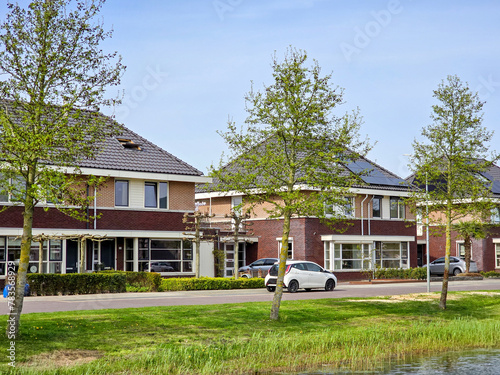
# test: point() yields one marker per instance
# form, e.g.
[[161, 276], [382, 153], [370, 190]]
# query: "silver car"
[[457, 266], [252, 270]]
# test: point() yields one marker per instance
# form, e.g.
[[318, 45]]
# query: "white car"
[[301, 274]]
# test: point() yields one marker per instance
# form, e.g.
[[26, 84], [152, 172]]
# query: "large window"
[[351, 256], [155, 194], [51, 255], [391, 254], [497, 251], [121, 193], [397, 208], [377, 206], [356, 257], [165, 255]]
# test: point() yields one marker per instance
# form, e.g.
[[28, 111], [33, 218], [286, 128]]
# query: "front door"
[[71, 256]]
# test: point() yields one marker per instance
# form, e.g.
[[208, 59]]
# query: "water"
[[481, 361]]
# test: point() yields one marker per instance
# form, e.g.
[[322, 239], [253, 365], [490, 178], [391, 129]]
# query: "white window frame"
[[400, 208], [128, 193], [497, 255], [290, 251]]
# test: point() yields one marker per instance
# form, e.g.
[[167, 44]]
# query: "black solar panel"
[[495, 186], [371, 175]]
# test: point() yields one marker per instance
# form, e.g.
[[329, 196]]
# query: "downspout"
[[95, 208], [369, 220], [88, 209], [363, 215]]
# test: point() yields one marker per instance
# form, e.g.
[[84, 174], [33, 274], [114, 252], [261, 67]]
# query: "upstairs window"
[[345, 209], [156, 195], [377, 206], [121, 193], [495, 215], [397, 208]]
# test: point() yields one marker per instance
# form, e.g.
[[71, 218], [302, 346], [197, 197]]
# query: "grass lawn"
[[236, 339]]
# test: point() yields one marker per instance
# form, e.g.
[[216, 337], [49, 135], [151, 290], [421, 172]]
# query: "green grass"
[[232, 338]]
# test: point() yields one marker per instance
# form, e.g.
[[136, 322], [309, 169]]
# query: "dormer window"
[[128, 143]]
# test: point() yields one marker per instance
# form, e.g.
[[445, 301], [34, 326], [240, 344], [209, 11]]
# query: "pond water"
[[481, 361]]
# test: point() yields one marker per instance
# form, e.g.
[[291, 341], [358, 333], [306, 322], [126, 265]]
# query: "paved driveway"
[[207, 297]]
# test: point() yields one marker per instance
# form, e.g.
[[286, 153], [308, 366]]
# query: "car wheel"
[[456, 271], [330, 285], [245, 276], [293, 286], [271, 288]]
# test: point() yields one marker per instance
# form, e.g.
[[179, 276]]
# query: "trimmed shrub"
[[139, 281], [75, 283], [490, 274], [210, 283], [418, 273]]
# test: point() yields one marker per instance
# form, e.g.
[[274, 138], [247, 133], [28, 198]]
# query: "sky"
[[191, 62]]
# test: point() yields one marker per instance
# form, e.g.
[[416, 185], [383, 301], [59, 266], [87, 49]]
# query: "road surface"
[[207, 297]]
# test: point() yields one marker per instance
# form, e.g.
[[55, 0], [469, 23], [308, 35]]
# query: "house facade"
[[379, 230], [486, 251], [139, 208]]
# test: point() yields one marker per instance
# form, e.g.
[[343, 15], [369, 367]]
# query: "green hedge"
[[75, 283], [139, 281], [210, 283], [490, 274], [419, 273]]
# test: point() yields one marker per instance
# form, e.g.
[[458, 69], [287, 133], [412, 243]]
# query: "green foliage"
[[418, 273], [210, 283], [76, 283], [492, 274], [139, 281], [292, 138]]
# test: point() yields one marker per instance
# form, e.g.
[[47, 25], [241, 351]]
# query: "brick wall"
[[181, 196], [110, 219]]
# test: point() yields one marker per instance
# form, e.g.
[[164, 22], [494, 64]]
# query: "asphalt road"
[[207, 297]]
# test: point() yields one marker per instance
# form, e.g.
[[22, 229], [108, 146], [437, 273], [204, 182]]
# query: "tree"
[[452, 157], [467, 230], [194, 223], [238, 222], [55, 77], [292, 152]]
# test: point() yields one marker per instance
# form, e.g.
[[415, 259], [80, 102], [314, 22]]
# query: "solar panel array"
[[369, 174], [495, 186]]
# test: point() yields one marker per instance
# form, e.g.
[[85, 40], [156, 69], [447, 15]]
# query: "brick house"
[[485, 252], [140, 205], [380, 230]]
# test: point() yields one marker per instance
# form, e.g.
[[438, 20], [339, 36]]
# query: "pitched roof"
[[492, 175], [127, 152], [372, 175], [139, 155]]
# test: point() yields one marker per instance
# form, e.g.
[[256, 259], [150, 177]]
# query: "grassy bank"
[[225, 339]]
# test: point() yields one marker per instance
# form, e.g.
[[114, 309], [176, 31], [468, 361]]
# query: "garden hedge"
[[76, 283], [139, 281], [418, 273], [209, 283]]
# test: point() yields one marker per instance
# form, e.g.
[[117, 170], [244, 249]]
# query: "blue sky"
[[190, 63]]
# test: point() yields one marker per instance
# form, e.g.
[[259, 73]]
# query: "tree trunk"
[[444, 289], [83, 252], [17, 307], [237, 222], [40, 257], [467, 250], [275, 308]]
